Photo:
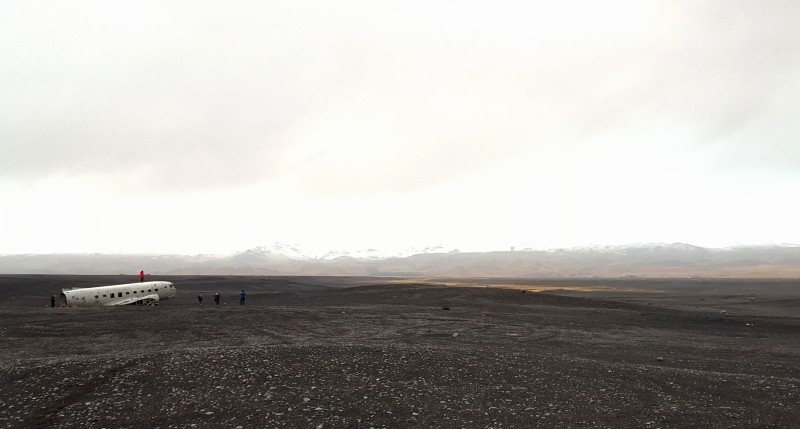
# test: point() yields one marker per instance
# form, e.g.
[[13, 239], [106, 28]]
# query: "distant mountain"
[[645, 260]]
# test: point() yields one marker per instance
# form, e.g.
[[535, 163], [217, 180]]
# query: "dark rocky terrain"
[[373, 352]]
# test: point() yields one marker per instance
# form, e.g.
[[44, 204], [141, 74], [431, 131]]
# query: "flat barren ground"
[[371, 352]]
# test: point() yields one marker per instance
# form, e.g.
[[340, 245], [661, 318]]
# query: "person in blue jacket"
[[241, 297]]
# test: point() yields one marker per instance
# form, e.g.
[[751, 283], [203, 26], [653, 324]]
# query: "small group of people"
[[216, 298], [242, 296]]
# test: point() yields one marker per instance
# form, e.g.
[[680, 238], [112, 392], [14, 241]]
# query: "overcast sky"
[[211, 127]]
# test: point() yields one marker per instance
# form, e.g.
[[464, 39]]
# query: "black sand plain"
[[314, 352]]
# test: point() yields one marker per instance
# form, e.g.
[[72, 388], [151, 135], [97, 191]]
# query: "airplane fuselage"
[[123, 294]]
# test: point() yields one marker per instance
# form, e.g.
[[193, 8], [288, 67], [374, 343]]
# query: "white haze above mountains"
[[189, 127]]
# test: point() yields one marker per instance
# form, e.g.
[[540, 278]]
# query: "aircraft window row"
[[119, 294]]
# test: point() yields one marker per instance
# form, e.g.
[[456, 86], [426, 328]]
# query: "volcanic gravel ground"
[[317, 353]]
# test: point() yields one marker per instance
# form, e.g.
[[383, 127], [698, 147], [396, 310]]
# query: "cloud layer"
[[425, 103]]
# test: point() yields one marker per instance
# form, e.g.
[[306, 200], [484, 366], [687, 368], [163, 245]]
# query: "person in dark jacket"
[[242, 295], [216, 298], [200, 298], [52, 300]]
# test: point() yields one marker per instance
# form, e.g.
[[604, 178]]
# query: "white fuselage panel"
[[130, 293]]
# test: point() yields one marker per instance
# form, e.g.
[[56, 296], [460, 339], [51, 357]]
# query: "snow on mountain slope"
[[646, 260]]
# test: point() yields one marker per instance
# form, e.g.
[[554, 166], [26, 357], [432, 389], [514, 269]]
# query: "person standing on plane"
[[241, 297], [141, 276], [216, 298]]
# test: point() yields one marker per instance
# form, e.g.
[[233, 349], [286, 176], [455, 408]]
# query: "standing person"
[[241, 297], [141, 276], [200, 298], [216, 298], [52, 300]]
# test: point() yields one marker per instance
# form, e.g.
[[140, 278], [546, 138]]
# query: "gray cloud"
[[370, 98]]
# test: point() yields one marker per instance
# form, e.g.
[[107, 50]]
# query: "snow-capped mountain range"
[[296, 252], [642, 260]]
